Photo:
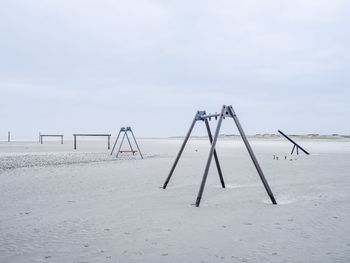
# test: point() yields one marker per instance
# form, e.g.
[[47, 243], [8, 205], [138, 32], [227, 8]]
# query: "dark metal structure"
[[92, 135], [226, 112], [125, 130], [295, 145], [9, 136], [50, 135]]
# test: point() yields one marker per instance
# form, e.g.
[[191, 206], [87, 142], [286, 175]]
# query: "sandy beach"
[[60, 205]]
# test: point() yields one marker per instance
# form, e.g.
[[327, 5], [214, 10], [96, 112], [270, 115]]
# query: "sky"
[[93, 66]]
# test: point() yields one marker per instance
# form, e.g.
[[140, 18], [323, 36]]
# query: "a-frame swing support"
[[124, 131], [226, 112]]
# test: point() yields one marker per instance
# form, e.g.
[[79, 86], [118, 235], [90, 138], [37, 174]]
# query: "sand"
[[60, 205]]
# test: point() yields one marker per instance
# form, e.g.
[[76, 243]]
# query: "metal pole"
[[115, 142], [109, 142], [127, 137], [62, 139], [41, 140], [252, 155], [180, 152], [75, 142], [293, 149], [120, 145], [9, 136], [211, 152], [138, 148], [215, 154]]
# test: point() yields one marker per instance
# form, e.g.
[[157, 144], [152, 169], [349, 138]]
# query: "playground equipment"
[[92, 135], [50, 135], [226, 112], [295, 145], [125, 130]]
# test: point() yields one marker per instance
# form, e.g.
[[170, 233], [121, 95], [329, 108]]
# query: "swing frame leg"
[[211, 153], [215, 154], [180, 152], [252, 156], [121, 145], [127, 137], [115, 143], [138, 148]]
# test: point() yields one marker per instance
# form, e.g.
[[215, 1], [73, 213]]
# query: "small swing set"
[[125, 131]]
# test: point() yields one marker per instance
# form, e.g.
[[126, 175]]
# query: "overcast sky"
[[94, 66]]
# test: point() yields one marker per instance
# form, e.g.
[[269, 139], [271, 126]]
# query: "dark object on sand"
[[50, 135], [92, 135], [226, 112], [125, 130], [296, 146]]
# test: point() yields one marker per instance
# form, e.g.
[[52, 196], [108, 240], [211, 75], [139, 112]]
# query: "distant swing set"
[[124, 131], [226, 112]]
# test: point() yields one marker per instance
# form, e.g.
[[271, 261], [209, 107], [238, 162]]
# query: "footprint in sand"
[[165, 254]]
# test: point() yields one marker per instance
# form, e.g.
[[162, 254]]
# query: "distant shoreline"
[[267, 136], [276, 136]]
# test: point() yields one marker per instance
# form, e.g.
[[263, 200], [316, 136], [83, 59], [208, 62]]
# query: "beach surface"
[[61, 205]]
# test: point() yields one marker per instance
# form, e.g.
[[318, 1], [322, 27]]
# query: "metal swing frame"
[[226, 112], [125, 131]]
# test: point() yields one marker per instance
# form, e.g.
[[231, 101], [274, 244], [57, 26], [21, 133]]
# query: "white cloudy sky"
[[93, 66]]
